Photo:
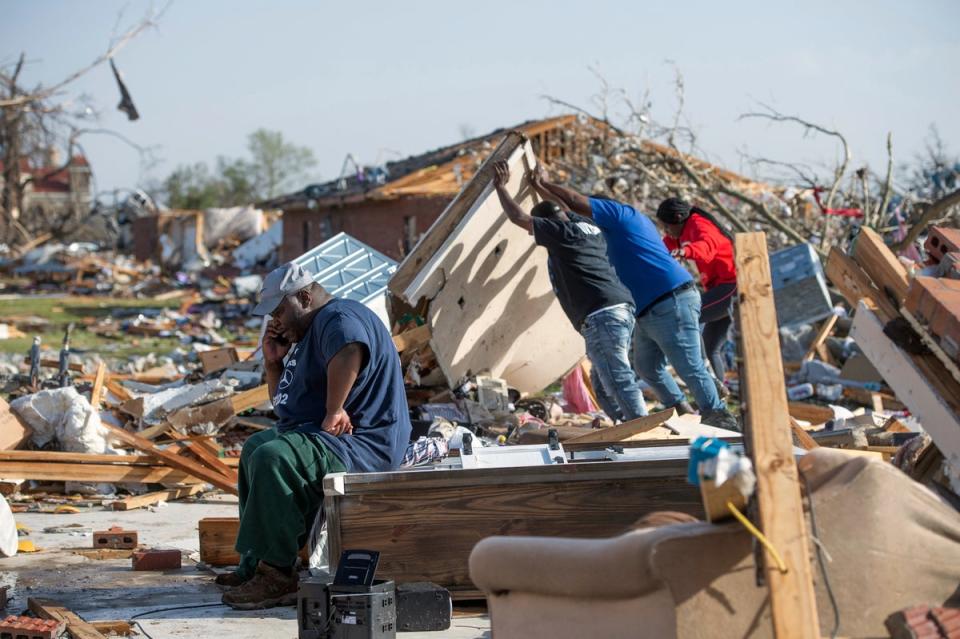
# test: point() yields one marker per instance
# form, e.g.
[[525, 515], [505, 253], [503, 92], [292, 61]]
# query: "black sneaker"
[[720, 419]]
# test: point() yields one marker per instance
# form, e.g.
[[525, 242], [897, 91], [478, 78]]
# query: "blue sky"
[[377, 77]]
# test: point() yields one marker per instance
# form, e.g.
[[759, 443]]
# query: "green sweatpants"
[[281, 490]]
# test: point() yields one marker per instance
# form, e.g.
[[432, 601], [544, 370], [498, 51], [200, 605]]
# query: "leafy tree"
[[276, 164]]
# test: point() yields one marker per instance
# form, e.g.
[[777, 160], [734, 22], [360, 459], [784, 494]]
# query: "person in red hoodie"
[[694, 235]]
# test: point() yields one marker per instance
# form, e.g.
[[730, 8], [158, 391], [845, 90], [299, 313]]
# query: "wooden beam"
[[97, 391], [880, 263], [854, 284], [249, 398], [414, 338], [149, 499], [626, 429], [172, 459], [116, 627], [76, 626], [813, 413], [109, 473], [822, 334], [767, 421], [53, 363], [119, 391], [205, 455], [804, 439]]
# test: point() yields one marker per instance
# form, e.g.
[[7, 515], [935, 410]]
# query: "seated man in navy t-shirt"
[[667, 302], [341, 405]]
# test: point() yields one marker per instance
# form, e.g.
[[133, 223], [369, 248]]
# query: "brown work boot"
[[269, 587], [230, 579]]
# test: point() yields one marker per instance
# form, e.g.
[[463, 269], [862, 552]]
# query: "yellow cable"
[[753, 530]]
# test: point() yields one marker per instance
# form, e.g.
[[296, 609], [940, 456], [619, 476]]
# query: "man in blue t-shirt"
[[667, 302], [337, 388]]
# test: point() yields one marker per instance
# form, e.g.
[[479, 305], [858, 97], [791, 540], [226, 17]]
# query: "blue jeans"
[[670, 330], [607, 334]]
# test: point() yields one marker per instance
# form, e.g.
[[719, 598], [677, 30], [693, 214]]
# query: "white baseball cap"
[[284, 280]]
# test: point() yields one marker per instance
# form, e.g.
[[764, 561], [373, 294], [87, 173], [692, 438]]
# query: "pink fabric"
[[575, 393]]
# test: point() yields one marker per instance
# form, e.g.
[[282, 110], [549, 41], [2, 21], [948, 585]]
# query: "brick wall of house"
[[381, 225]]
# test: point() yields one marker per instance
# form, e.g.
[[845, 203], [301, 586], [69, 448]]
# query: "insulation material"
[[492, 306], [63, 415], [238, 222]]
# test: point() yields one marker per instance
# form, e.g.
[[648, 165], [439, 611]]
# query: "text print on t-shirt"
[[286, 379]]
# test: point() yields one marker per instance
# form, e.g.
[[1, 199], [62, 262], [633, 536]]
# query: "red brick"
[[156, 559], [941, 240], [31, 627], [936, 302], [115, 537]]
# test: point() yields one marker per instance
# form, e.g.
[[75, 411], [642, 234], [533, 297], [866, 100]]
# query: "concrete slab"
[[102, 589]]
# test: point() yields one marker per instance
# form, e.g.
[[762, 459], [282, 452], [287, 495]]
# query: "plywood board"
[[12, 430], [492, 307]]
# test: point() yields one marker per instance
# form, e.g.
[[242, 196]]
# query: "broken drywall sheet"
[[492, 307]]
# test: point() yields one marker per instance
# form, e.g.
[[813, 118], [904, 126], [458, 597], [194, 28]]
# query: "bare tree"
[[35, 120]]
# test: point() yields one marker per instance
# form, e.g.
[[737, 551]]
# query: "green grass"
[[60, 311]]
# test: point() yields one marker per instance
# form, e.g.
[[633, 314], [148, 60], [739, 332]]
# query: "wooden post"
[[767, 422], [97, 390]]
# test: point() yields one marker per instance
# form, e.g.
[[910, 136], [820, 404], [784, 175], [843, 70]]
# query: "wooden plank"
[[854, 284], [822, 334], [767, 422], [110, 473], [76, 626], [414, 338], [149, 499], [440, 230], [76, 458], [217, 359], [249, 398], [206, 456], [97, 391], [881, 265], [119, 391], [53, 363], [915, 389], [804, 439], [115, 627], [218, 536], [626, 429], [12, 430], [171, 459], [812, 413]]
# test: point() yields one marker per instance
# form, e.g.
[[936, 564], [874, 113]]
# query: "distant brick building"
[[389, 208], [54, 190]]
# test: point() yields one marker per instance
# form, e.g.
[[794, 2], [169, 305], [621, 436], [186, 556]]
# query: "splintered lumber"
[[881, 265], [93, 472], [172, 459], [76, 626], [912, 386], [205, 455], [249, 398], [767, 422], [53, 363], [218, 536], [149, 499], [626, 429], [854, 284], [414, 338], [97, 390], [119, 391], [822, 334]]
